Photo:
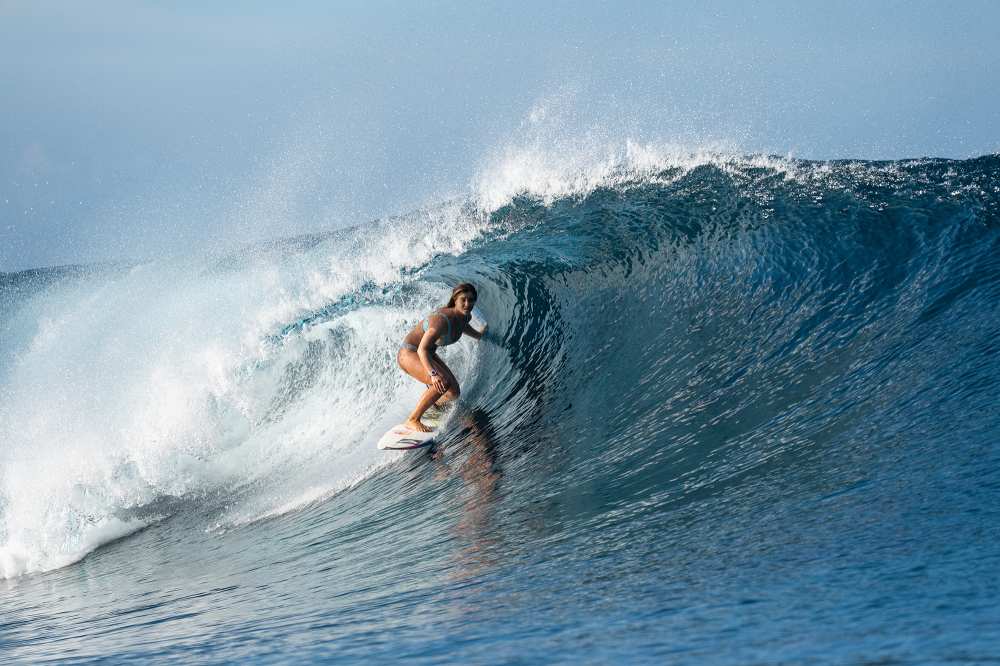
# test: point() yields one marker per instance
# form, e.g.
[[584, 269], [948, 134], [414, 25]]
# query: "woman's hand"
[[473, 333], [439, 383]]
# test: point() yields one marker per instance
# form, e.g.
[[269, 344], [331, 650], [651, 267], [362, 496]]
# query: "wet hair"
[[463, 288]]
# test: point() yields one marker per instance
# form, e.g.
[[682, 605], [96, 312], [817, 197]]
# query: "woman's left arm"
[[473, 333]]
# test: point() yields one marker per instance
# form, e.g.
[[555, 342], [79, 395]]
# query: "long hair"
[[463, 288]]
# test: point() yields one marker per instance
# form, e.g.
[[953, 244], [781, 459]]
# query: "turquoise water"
[[730, 410]]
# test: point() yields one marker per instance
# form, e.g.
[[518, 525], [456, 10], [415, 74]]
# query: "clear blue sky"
[[134, 128]]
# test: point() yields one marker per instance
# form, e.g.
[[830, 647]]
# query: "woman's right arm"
[[432, 333]]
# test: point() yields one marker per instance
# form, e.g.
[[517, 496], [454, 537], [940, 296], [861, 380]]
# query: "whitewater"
[[731, 408]]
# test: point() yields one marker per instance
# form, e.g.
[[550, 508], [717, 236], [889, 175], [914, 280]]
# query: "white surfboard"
[[401, 438]]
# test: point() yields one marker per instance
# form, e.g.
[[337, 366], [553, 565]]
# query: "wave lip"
[[571, 169]]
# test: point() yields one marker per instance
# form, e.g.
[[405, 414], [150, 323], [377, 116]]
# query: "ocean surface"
[[730, 410]]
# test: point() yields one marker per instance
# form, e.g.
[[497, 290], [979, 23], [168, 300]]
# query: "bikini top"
[[447, 339]]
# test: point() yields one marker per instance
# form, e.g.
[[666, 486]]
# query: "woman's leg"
[[454, 390], [411, 365]]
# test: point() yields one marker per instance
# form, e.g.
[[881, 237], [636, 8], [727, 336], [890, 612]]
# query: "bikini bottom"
[[413, 348]]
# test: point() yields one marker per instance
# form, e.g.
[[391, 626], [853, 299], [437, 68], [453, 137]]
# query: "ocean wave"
[[668, 323]]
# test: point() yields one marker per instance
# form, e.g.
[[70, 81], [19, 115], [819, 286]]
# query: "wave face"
[[729, 409]]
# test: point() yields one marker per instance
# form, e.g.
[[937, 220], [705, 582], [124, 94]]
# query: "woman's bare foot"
[[413, 424]]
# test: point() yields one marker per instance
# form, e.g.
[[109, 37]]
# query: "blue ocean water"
[[729, 410]]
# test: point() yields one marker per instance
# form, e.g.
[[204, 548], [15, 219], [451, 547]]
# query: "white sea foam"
[[572, 169], [554, 154], [174, 380]]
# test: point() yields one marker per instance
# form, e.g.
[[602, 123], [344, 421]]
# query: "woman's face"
[[464, 302]]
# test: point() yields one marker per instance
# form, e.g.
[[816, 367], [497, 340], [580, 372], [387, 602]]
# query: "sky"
[[132, 130]]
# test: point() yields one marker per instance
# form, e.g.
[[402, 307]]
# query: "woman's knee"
[[453, 392]]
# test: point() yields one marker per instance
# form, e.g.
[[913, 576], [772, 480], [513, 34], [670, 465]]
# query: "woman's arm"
[[432, 333], [473, 333]]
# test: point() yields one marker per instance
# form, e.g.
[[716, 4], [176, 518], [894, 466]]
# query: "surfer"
[[418, 357]]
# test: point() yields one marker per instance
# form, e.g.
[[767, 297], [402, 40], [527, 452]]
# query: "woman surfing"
[[418, 357]]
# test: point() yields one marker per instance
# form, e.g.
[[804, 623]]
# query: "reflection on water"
[[474, 461]]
